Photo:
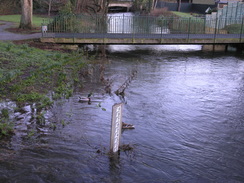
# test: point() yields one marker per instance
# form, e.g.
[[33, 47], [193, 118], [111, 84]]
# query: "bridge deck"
[[120, 4], [110, 38]]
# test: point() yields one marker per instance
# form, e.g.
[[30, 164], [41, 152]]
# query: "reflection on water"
[[154, 48], [187, 108]]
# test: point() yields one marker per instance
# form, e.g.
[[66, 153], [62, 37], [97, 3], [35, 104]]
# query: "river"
[[187, 108]]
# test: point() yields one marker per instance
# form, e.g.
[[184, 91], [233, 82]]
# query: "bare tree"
[[154, 4], [179, 5], [49, 7], [91, 6], [26, 14]]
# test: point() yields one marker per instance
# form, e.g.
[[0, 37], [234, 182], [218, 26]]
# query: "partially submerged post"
[[116, 126]]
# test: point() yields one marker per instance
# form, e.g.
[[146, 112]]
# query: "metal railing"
[[142, 25]]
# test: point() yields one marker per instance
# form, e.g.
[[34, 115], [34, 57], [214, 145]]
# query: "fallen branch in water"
[[121, 90]]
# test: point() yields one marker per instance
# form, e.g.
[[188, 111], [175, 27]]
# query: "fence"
[[228, 15], [146, 25], [233, 10]]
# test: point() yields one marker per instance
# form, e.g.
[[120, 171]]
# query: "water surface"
[[187, 108]]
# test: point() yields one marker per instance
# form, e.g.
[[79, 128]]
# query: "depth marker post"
[[116, 126]]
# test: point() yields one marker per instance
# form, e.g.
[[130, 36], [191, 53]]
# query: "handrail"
[[141, 25]]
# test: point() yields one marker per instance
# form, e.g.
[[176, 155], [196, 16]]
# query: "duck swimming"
[[127, 126], [85, 99]]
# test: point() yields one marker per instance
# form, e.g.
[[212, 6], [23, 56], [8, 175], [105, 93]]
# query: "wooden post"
[[116, 126]]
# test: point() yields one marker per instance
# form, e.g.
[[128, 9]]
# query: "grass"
[[234, 29], [37, 20], [185, 23], [181, 14], [28, 75], [197, 22]]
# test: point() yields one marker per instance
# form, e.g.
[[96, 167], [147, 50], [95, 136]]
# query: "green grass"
[[37, 20], [181, 14], [234, 29], [28, 74], [31, 76]]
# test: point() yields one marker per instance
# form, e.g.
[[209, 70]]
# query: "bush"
[[234, 29], [161, 12]]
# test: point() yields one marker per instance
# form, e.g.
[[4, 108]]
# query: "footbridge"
[[140, 30], [120, 6]]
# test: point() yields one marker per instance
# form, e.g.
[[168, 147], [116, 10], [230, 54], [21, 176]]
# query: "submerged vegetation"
[[30, 76], [6, 126]]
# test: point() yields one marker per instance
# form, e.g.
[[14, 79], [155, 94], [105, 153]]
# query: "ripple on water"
[[187, 108]]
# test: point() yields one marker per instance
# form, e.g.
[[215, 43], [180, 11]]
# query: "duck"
[[127, 126], [85, 99]]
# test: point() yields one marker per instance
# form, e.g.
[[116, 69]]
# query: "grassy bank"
[[37, 20], [28, 74], [181, 14]]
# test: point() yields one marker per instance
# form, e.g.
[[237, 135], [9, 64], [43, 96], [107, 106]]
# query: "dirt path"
[[8, 36]]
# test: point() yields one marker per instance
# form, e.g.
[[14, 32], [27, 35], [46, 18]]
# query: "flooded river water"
[[187, 108]]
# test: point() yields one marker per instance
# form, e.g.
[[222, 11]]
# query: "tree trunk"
[[26, 15], [105, 6], [179, 5], [154, 4], [49, 7]]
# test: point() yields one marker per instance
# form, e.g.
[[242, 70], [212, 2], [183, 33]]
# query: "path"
[[8, 36]]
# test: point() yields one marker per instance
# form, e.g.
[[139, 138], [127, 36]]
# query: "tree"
[[179, 5], [154, 4], [26, 14], [49, 7], [90, 6]]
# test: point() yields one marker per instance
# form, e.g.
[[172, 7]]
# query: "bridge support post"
[[242, 21]]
